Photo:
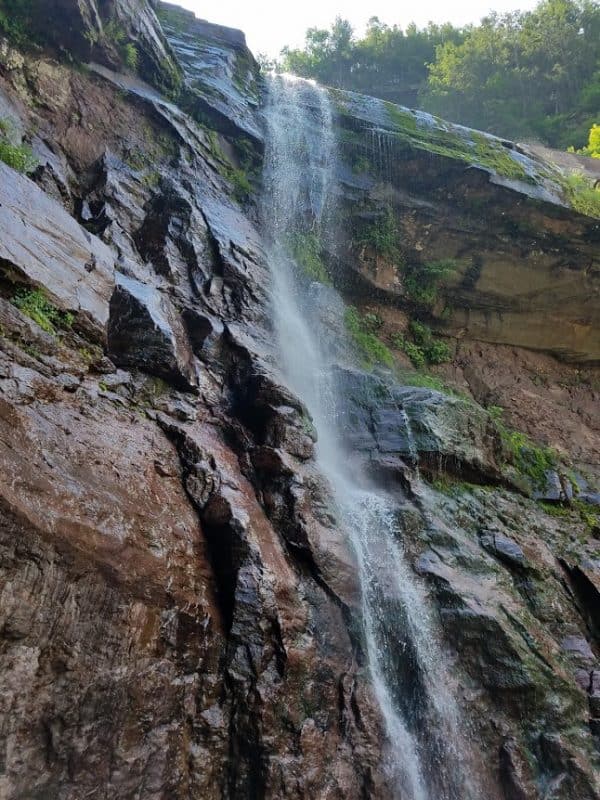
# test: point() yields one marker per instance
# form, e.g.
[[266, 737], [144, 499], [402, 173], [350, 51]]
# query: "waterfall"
[[406, 665]]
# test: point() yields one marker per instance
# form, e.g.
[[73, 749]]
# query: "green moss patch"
[[306, 251], [479, 150], [529, 459], [371, 349], [582, 195], [18, 156], [35, 304]]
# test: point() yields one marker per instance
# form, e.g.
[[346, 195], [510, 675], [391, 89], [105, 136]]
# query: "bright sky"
[[271, 24]]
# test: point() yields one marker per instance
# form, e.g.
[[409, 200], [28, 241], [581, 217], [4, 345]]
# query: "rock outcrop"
[[179, 614], [522, 265]]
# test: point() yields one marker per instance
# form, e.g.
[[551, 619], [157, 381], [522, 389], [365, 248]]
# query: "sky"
[[271, 24]]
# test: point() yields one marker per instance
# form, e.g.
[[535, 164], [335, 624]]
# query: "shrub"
[[382, 235], [425, 349], [131, 56], [582, 195], [415, 353], [528, 458], [422, 281], [420, 332], [17, 156], [592, 149], [114, 33], [371, 349], [438, 352], [372, 321], [35, 304], [16, 21]]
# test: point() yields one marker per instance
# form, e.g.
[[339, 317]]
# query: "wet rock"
[[591, 498], [42, 245], [578, 647], [219, 69], [481, 215], [557, 489], [95, 32], [505, 549], [585, 580], [180, 608], [439, 432], [594, 693], [143, 333], [515, 772]]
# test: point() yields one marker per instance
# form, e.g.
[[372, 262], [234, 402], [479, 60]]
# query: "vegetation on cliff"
[[17, 155]]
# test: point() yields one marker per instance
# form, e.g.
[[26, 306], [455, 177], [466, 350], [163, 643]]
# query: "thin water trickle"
[[406, 665]]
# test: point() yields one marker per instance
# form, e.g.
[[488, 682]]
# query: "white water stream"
[[405, 663]]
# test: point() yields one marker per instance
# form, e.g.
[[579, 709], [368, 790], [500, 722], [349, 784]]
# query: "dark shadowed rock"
[[144, 332]]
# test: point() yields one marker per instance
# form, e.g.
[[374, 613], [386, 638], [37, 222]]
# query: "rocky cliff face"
[[179, 609]]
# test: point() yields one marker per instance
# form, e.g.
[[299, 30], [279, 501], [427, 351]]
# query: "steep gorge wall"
[[178, 607]]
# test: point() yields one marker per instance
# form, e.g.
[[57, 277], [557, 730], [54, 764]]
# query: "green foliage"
[[587, 515], [237, 176], [387, 62], [372, 350], [451, 142], [424, 381], [529, 459], [438, 352], [494, 155], [151, 179], [518, 73], [382, 235], [402, 119], [242, 188], [422, 281], [421, 332], [521, 74], [415, 353], [16, 21], [582, 195], [424, 349], [131, 56], [35, 304], [17, 156], [114, 33], [361, 164], [306, 250], [576, 508], [592, 149]]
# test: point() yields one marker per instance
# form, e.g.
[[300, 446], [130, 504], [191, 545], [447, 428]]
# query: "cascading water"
[[406, 666]]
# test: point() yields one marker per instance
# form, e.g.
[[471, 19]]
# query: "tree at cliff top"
[[592, 148], [532, 74], [388, 62]]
